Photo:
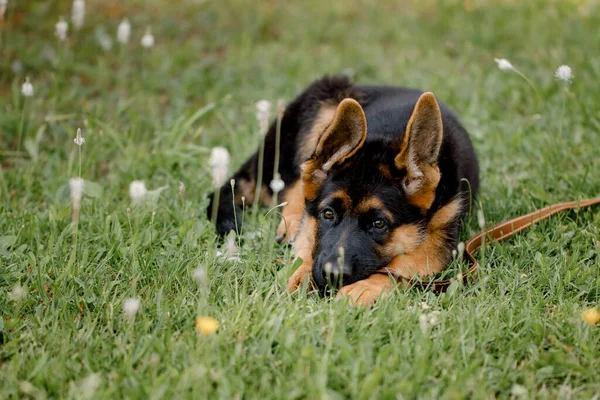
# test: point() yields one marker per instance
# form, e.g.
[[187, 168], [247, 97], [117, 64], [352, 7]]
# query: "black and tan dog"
[[377, 181]]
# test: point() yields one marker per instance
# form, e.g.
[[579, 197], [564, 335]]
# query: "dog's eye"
[[379, 223], [328, 214]]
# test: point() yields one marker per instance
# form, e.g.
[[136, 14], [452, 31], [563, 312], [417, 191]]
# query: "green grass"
[[517, 332]]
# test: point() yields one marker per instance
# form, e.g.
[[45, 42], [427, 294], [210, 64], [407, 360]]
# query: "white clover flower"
[[181, 189], [219, 165], [199, 275], [131, 307], [504, 64], [27, 88], [263, 111], [76, 186], [124, 31], [147, 40], [564, 73], [3, 5], [61, 29], [277, 184], [78, 13], [137, 191], [79, 141], [480, 219]]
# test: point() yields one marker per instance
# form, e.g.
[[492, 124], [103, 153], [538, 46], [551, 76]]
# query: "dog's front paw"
[[301, 275], [367, 291]]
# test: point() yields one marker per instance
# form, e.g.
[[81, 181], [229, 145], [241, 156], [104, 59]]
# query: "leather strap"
[[498, 233]]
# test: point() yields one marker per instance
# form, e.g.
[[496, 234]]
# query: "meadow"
[[68, 325]]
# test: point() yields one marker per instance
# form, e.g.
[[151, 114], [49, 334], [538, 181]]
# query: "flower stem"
[[537, 95], [261, 159], [277, 149], [215, 206], [22, 125], [562, 112]]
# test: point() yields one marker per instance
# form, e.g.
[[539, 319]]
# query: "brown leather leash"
[[498, 233]]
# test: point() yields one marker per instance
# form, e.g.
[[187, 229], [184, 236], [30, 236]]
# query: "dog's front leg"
[[367, 291]]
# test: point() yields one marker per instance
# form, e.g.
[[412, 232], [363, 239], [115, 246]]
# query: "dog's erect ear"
[[344, 136], [340, 141], [419, 151]]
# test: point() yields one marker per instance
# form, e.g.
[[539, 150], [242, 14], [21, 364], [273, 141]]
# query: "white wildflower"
[[480, 219], [124, 31], [137, 191], [231, 250], [61, 29], [181, 189], [78, 13], [131, 307], [104, 39], [17, 293], [277, 184], [199, 275], [504, 64], [564, 73], [219, 165], [76, 186], [425, 306], [147, 39], [27, 88], [263, 111], [3, 5], [78, 139], [427, 321], [460, 248]]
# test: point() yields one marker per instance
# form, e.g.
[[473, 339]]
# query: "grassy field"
[[153, 115]]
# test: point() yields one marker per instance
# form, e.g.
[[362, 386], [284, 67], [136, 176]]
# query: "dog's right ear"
[[341, 140]]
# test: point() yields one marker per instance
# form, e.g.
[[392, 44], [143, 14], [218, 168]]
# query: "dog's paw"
[[301, 275], [367, 291]]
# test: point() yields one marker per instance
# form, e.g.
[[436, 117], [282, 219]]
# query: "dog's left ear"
[[341, 140], [419, 151]]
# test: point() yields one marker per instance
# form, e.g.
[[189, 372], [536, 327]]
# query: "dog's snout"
[[332, 274]]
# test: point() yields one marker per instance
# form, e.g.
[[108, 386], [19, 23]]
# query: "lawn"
[[153, 114]]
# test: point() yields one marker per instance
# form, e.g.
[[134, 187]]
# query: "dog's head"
[[365, 200]]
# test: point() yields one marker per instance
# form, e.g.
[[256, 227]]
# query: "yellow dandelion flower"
[[591, 316], [206, 325]]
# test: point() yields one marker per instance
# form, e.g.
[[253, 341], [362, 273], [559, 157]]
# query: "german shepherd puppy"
[[377, 181]]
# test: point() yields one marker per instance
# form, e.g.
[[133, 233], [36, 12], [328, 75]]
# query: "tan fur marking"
[[424, 196], [430, 256], [373, 203], [321, 122], [385, 171], [292, 213], [245, 188], [341, 195], [367, 291], [405, 240], [303, 248]]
